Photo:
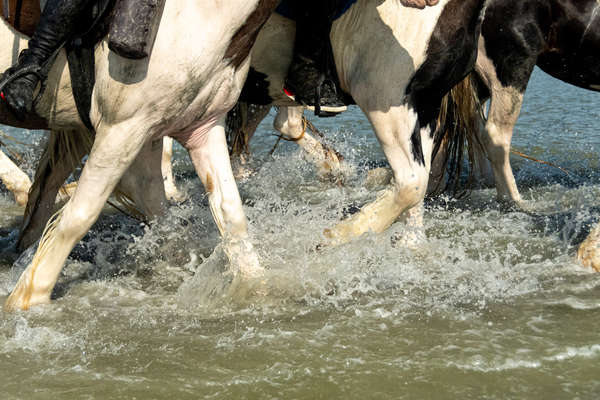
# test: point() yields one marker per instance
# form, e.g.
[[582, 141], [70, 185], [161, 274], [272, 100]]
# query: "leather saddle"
[[23, 15]]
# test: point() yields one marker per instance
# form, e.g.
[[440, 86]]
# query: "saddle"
[[23, 15]]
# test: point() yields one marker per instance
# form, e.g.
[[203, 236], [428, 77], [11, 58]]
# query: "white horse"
[[15, 180], [137, 102], [396, 63]]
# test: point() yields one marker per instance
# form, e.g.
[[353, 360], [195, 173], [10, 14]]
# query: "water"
[[493, 304]]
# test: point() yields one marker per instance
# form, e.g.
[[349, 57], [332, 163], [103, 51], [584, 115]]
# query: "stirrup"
[[323, 111]]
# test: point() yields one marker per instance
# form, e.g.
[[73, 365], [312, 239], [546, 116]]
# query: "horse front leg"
[[15, 180], [398, 133], [112, 153], [208, 150], [166, 166], [290, 122]]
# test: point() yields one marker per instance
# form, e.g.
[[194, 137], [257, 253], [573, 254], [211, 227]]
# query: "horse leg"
[[62, 155], [14, 179], [589, 250], [506, 84], [242, 122], [171, 190], [290, 122], [397, 131], [111, 155], [496, 136], [210, 156], [143, 181]]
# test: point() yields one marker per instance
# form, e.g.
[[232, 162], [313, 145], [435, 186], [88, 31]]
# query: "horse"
[[14, 179], [53, 169], [398, 83], [137, 102], [563, 39]]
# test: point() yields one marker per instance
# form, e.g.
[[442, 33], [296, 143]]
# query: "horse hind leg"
[[111, 156], [142, 189], [172, 192]]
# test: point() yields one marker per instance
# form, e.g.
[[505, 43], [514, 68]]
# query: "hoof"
[[589, 252], [22, 299], [21, 198], [176, 196]]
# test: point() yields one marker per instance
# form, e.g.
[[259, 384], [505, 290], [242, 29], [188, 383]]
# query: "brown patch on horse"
[[243, 40], [23, 15], [209, 186]]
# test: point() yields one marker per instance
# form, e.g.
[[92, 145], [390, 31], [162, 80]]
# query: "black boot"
[[311, 76], [57, 24]]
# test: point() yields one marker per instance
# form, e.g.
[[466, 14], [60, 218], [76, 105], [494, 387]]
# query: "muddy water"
[[492, 305]]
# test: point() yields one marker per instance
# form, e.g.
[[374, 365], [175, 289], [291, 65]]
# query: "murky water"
[[492, 305]]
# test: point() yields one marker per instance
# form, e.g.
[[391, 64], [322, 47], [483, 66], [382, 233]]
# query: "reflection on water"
[[491, 305]]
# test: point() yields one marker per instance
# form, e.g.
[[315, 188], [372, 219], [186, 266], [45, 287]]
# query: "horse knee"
[[75, 221], [410, 189]]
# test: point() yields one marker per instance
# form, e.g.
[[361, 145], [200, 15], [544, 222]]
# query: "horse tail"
[[459, 120], [62, 155], [241, 123]]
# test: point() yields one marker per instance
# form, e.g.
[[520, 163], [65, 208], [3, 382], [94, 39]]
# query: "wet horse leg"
[[171, 190], [111, 155], [290, 123], [589, 250], [207, 147], [507, 86], [143, 180], [394, 129], [14, 179]]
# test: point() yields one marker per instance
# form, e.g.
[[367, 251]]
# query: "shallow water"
[[491, 305]]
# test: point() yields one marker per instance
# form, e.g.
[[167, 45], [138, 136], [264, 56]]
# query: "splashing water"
[[491, 304]]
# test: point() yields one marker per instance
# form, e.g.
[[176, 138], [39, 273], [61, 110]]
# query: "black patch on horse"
[[450, 56], [256, 89], [561, 37]]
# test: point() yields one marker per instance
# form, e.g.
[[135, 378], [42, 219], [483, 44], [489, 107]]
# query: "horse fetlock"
[[30, 290], [243, 259]]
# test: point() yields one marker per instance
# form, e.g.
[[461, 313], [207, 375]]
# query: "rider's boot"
[[57, 23], [310, 79]]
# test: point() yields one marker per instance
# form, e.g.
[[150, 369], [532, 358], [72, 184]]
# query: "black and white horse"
[[562, 37], [396, 63]]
